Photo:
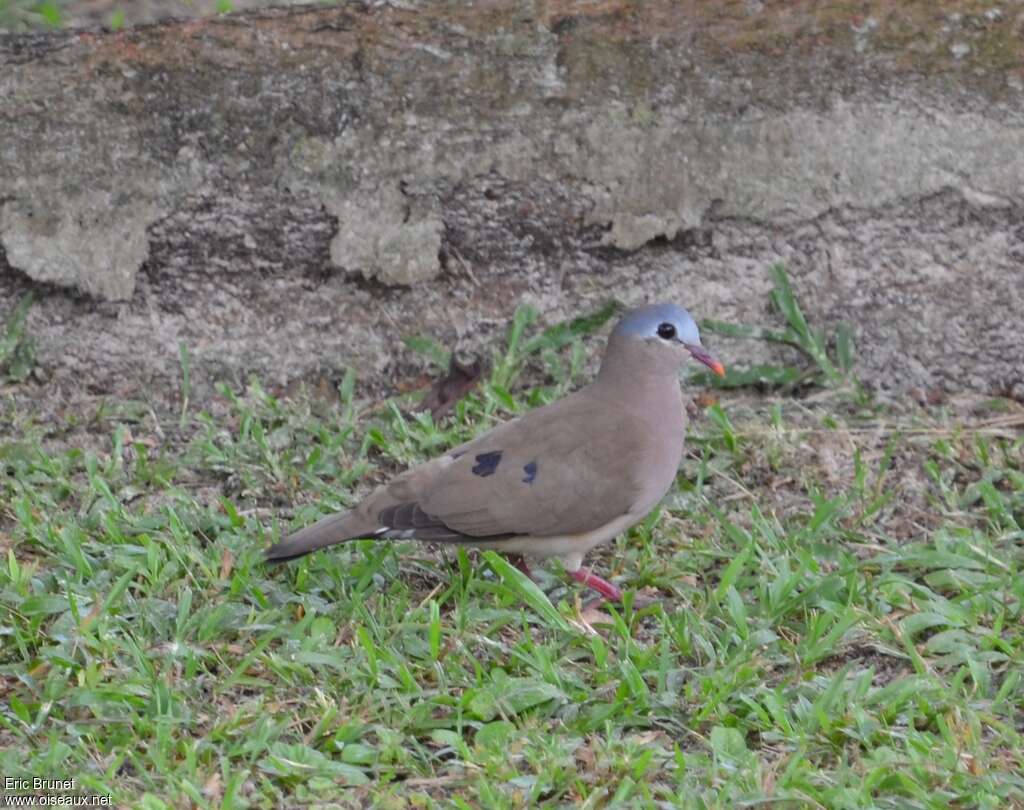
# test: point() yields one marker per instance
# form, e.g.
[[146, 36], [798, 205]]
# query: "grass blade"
[[526, 589]]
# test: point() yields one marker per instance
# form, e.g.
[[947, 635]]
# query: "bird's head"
[[669, 332]]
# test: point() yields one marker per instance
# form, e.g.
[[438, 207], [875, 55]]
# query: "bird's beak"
[[702, 356]]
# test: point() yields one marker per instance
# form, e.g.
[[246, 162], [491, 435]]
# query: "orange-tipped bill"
[[702, 356]]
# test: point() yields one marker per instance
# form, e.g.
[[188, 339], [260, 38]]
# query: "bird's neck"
[[633, 374]]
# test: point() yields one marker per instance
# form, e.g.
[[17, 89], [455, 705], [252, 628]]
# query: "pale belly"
[[570, 548]]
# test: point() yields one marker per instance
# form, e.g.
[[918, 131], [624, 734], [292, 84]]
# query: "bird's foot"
[[519, 561], [640, 601], [645, 598], [587, 577]]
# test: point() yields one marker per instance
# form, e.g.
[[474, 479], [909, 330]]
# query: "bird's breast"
[[659, 463]]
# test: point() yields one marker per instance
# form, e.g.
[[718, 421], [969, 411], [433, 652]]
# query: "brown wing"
[[567, 468]]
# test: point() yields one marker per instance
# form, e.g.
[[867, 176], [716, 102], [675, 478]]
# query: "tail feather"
[[327, 531], [344, 526]]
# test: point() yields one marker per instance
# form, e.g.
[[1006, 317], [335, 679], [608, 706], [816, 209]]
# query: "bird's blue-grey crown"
[[670, 324], [666, 321]]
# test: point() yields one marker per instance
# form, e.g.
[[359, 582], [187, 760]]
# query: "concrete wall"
[[290, 192]]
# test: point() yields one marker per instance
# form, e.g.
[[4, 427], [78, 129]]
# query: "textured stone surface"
[[290, 192], [92, 242]]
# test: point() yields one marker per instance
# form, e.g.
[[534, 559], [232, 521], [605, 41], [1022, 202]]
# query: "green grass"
[[24, 15], [839, 620], [19, 16]]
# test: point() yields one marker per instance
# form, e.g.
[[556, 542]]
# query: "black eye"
[[666, 331]]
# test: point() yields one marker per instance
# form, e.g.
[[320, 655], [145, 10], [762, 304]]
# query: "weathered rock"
[[290, 192]]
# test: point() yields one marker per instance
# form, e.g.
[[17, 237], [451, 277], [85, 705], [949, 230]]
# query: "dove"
[[556, 481]]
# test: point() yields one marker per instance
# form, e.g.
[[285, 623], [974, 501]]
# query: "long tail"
[[328, 531], [400, 522]]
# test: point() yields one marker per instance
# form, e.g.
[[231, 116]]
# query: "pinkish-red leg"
[[602, 586], [519, 561]]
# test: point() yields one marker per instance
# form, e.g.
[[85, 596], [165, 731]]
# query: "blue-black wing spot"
[[531, 472], [487, 463]]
